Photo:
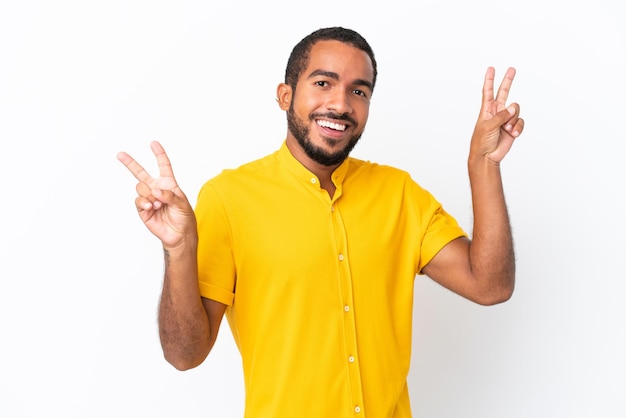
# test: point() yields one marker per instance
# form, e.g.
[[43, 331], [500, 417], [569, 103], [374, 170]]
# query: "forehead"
[[347, 61]]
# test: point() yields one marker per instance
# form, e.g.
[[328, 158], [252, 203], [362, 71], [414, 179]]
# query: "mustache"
[[332, 115]]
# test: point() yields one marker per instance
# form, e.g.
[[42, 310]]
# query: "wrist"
[[482, 164], [186, 244]]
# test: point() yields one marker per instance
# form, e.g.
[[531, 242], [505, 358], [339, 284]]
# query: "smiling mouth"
[[331, 125]]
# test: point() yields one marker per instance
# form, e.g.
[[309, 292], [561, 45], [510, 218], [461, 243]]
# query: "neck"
[[323, 172]]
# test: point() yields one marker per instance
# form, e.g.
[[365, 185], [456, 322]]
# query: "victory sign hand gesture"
[[498, 124], [162, 205]]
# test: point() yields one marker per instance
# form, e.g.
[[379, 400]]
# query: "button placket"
[[349, 321]]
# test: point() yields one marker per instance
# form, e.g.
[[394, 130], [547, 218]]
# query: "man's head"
[[329, 81], [299, 58]]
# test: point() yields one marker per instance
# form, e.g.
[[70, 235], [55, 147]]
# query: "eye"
[[321, 83], [361, 93]]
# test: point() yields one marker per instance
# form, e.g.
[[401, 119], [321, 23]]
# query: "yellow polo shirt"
[[319, 291]]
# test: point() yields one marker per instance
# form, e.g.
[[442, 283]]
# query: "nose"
[[339, 102]]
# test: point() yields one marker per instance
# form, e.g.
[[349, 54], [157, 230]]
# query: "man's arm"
[[188, 324], [483, 269]]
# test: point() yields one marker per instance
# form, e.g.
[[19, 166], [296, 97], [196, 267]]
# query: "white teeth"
[[331, 125]]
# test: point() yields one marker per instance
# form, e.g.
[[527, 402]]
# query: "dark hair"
[[299, 58]]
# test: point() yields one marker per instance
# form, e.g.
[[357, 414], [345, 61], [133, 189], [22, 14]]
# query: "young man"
[[312, 254]]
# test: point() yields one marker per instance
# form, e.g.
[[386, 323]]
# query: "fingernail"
[[509, 127], [511, 110]]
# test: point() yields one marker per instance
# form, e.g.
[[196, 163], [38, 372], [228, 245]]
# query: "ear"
[[283, 96]]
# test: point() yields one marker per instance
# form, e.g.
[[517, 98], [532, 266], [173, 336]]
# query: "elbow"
[[182, 364], [494, 298], [496, 295], [185, 357], [184, 353], [181, 367]]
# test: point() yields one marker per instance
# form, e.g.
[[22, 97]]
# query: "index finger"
[[505, 87], [134, 167]]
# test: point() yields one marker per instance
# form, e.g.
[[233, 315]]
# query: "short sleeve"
[[438, 226], [216, 267]]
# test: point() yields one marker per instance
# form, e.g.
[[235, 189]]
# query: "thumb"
[[165, 196], [174, 198], [504, 116]]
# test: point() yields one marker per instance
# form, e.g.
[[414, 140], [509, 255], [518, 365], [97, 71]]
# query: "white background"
[[81, 276]]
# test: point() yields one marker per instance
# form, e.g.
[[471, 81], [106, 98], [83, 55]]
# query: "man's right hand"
[[162, 205]]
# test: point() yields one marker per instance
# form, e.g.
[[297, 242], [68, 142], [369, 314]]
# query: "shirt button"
[[346, 308], [357, 409], [332, 208], [351, 359], [340, 257], [313, 180]]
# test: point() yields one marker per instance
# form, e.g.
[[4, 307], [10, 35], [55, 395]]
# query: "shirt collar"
[[301, 172]]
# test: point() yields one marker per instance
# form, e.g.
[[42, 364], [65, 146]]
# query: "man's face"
[[329, 109]]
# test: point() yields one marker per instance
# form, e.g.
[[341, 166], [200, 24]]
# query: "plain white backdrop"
[[81, 276]]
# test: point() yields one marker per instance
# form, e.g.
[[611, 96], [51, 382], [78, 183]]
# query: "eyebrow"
[[335, 76]]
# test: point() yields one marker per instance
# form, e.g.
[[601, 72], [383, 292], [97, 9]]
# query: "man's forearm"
[[183, 323], [492, 256]]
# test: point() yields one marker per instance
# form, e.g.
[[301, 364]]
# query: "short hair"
[[299, 58]]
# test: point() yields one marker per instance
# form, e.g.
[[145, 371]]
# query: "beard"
[[301, 132]]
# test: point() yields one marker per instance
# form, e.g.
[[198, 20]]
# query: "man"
[[312, 254]]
